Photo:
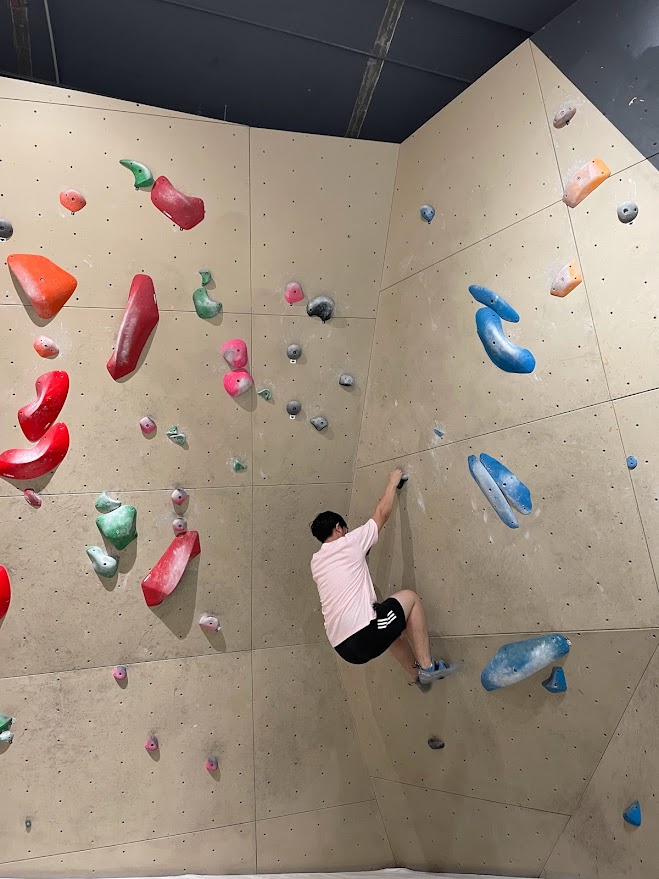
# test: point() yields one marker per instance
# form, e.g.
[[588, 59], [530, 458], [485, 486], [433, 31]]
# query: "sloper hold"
[[585, 181], [294, 352], [632, 462], [120, 673], [495, 302], [556, 682], [293, 407], [627, 211], [151, 743], [563, 116], [147, 425], [319, 422], [105, 504], [205, 307], [427, 212], [184, 210], [518, 660], [35, 418], [32, 498], [6, 229], [46, 285], [498, 347], [208, 621], [5, 601], [166, 574], [45, 347], [237, 382], [212, 764], [346, 380], [512, 486], [118, 526], [180, 525], [235, 353], [102, 563], [566, 280], [142, 177], [140, 318], [492, 492], [179, 496], [632, 814], [39, 459], [293, 293], [72, 200], [322, 307]]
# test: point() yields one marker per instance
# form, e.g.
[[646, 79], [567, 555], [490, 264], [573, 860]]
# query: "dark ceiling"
[[375, 69]]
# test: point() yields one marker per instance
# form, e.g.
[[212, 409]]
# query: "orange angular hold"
[[46, 285], [587, 179], [566, 280], [73, 200]]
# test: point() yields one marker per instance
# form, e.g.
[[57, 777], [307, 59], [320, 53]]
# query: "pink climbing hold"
[[39, 459], [235, 353], [140, 318], [151, 743], [208, 621], [32, 498], [237, 382], [35, 418], [148, 425], [73, 200], [120, 673], [212, 763], [165, 575], [179, 496], [45, 347], [5, 591], [293, 293], [184, 210]]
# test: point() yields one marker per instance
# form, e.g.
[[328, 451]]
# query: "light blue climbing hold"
[[498, 347], [496, 303], [632, 814], [632, 462], [513, 487], [104, 565], [438, 432], [427, 212], [492, 492], [520, 659], [105, 504], [556, 682]]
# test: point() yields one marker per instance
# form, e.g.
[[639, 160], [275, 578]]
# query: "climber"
[[357, 625]]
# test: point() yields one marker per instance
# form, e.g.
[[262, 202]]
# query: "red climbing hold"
[[36, 418], [165, 575], [5, 591], [140, 318], [237, 382], [38, 460], [46, 285], [235, 353], [184, 210], [72, 200]]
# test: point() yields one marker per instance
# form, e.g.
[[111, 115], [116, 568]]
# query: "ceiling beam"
[[21, 33]]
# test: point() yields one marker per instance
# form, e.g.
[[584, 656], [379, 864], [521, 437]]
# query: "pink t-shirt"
[[344, 582]]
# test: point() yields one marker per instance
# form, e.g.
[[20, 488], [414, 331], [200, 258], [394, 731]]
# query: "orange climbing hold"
[[585, 181], [566, 280], [47, 286], [73, 200]]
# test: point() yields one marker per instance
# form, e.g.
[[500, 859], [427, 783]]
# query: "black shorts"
[[377, 636]]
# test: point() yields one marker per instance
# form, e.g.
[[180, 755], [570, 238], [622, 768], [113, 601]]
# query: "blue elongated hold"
[[556, 682], [427, 212], [492, 492], [496, 303], [520, 659], [438, 432], [511, 485], [498, 347], [632, 814]]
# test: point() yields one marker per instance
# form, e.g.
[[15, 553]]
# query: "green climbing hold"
[[5, 722], [204, 305], [102, 563], [237, 465], [105, 504], [143, 177], [118, 526], [206, 277], [266, 394], [176, 436]]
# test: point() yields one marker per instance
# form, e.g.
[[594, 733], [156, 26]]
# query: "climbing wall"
[[81, 793], [528, 780]]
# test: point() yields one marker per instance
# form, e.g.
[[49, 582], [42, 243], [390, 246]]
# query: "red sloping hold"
[[36, 418], [140, 318], [184, 210], [164, 576], [46, 285], [38, 460], [5, 591]]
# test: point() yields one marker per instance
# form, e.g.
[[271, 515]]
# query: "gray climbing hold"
[[293, 352], [6, 230], [180, 525], [556, 682], [176, 436], [627, 211], [438, 432], [563, 116], [427, 212], [293, 408], [632, 462], [102, 563], [435, 743], [28, 824], [319, 422], [265, 394], [322, 307], [346, 380], [403, 480], [105, 504]]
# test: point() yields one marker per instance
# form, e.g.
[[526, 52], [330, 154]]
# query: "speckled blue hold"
[[632, 814], [501, 351], [511, 485], [495, 302], [556, 682], [520, 659], [492, 492], [632, 462], [427, 212]]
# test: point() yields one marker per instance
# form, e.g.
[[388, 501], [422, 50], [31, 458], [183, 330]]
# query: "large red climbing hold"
[[184, 210], [38, 460], [5, 591], [36, 418], [164, 576], [140, 318], [46, 285]]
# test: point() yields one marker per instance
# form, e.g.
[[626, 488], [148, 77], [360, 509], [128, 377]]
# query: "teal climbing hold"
[[265, 394], [176, 436], [204, 305], [206, 277], [105, 504], [237, 465], [102, 563], [556, 682], [632, 814], [143, 177], [119, 526], [5, 722]]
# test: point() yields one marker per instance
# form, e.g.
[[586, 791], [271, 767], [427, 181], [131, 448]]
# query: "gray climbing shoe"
[[440, 671]]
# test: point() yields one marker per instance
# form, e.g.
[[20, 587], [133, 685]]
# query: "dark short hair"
[[325, 523]]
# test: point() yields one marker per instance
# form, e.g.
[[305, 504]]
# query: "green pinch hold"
[[204, 305], [105, 504], [118, 526], [237, 465], [102, 563], [5, 722], [143, 177], [176, 436], [265, 394], [206, 277]]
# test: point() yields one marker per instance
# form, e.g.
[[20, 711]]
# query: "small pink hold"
[[208, 621], [32, 498], [151, 743], [120, 673], [179, 496], [148, 425], [180, 525], [235, 353], [45, 347], [293, 293], [212, 763], [238, 382]]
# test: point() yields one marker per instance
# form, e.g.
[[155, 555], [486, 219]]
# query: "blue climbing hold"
[[492, 492], [427, 212], [520, 659], [556, 682], [501, 351], [513, 487], [438, 432], [632, 462], [496, 303], [632, 814]]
